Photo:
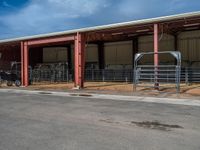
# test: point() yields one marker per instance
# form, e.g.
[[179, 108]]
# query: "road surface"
[[46, 122]]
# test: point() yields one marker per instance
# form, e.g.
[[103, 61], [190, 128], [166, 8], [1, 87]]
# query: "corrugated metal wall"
[[54, 54], [91, 53], [118, 55], [189, 45], [166, 43]]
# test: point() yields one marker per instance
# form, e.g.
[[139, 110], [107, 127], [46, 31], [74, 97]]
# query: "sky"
[[29, 17]]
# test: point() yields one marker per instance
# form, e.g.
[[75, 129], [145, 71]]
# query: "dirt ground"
[[187, 91]]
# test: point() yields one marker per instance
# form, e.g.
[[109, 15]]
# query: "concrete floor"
[[46, 122]]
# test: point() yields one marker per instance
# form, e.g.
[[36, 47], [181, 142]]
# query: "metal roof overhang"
[[183, 16]]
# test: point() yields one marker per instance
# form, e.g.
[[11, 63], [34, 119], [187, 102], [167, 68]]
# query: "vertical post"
[[156, 63], [79, 60], [176, 42], [175, 46], [101, 55], [22, 63], [134, 48], [156, 44], [26, 64], [69, 53]]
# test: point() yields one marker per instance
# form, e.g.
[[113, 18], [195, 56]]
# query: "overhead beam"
[[50, 40]]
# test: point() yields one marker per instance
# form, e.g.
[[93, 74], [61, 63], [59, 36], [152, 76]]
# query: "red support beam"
[[156, 44], [50, 40], [79, 60], [156, 59], [22, 63], [35, 42], [26, 64]]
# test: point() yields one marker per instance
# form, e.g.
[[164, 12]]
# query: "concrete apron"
[[190, 102]]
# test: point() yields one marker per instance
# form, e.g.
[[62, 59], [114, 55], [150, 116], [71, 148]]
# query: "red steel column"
[[79, 60], [156, 44], [22, 63], [156, 59], [26, 64]]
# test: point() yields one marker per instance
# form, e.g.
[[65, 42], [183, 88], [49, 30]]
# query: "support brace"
[[24, 64], [79, 60], [156, 44], [156, 59]]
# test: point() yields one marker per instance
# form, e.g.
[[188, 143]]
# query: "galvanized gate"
[[153, 76]]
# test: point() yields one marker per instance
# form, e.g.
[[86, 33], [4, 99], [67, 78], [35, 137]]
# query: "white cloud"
[[5, 4], [42, 16], [128, 7]]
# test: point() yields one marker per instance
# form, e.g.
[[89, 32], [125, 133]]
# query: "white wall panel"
[[118, 54]]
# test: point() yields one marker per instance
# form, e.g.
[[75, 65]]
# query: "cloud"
[[50, 15], [5, 4], [55, 15]]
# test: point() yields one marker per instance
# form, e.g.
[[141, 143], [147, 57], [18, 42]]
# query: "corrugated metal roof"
[[104, 27]]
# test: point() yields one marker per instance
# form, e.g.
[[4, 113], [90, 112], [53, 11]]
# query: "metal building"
[[107, 47]]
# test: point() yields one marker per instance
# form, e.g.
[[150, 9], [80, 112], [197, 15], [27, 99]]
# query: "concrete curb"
[[189, 102]]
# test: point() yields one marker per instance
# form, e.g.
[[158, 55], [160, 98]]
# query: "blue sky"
[[29, 17]]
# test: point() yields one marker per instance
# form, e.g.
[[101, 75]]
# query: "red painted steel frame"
[[50, 40], [25, 55], [79, 60], [156, 59], [156, 44], [26, 64], [22, 63]]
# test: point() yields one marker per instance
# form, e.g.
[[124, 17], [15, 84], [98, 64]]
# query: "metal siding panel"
[[183, 48], [110, 54], [124, 53], [54, 54], [49, 55], [92, 53], [189, 44], [62, 54], [118, 54], [165, 44], [189, 34], [198, 48], [145, 44]]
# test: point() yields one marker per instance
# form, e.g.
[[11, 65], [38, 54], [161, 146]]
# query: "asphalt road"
[[46, 122]]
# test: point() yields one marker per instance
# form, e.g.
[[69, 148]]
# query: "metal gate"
[[152, 76]]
